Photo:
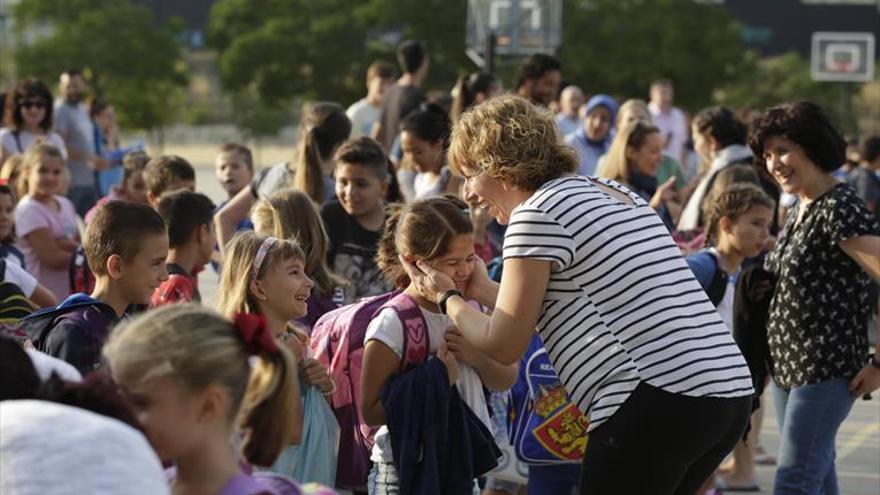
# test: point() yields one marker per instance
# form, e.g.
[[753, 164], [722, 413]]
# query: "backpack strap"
[[718, 283], [416, 342]]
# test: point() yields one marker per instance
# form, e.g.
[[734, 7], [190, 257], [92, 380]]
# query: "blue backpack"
[[545, 427]]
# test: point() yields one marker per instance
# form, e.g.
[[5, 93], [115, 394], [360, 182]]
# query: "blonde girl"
[[45, 220], [266, 276], [196, 379], [291, 214]]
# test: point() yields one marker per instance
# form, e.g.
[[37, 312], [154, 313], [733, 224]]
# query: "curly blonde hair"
[[511, 140]]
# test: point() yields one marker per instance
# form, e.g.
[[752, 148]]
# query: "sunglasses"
[[32, 103]]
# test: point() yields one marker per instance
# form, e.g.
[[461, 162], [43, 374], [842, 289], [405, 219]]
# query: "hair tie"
[[261, 254], [255, 334]]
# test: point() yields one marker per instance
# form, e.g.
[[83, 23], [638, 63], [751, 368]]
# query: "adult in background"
[[28, 118], [592, 267], [366, 112], [471, 90], [720, 140], [593, 138], [568, 118], [828, 253], [671, 121], [404, 96], [539, 78], [73, 123]]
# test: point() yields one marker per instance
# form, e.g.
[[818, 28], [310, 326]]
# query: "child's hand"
[[665, 192], [463, 351], [314, 373], [448, 358]]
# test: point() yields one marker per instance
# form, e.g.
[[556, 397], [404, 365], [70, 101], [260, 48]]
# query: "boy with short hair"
[[133, 188], [355, 220], [126, 245], [168, 173], [188, 216], [234, 168], [365, 113]]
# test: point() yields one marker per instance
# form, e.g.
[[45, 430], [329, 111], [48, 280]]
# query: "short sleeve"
[[24, 280], [7, 141], [533, 234], [386, 328], [29, 218], [257, 182], [849, 217]]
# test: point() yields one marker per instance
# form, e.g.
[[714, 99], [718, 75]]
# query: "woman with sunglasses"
[[28, 118]]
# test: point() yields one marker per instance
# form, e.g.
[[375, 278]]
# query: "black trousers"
[[662, 443]]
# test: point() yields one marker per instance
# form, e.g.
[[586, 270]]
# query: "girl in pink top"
[[44, 221]]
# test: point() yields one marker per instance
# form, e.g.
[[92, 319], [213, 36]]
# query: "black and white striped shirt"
[[621, 306]]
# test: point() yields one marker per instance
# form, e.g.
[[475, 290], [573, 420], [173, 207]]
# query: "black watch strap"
[[445, 297]]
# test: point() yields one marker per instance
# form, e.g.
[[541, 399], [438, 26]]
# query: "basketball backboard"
[[846, 57], [521, 27]]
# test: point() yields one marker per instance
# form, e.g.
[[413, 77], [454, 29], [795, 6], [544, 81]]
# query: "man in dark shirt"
[[539, 78], [406, 95]]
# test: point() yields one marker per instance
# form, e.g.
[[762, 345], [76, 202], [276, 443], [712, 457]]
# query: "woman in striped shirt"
[[590, 265]]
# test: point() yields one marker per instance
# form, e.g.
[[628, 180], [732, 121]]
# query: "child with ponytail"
[[438, 231], [192, 379], [266, 276], [323, 128]]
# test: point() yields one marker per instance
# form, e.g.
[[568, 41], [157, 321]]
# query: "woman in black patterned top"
[[829, 251]]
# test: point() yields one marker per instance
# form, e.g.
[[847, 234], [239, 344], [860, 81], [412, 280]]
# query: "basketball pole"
[[489, 52]]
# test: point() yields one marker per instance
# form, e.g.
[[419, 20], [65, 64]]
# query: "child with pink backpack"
[[373, 360]]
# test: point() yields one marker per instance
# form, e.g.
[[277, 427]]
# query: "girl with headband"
[[266, 276]]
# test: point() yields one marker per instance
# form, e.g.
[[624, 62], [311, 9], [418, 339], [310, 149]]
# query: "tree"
[[768, 82], [620, 46], [131, 62]]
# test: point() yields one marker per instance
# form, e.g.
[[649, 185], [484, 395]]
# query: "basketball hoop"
[[521, 27]]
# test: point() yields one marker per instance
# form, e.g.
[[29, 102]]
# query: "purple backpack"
[[337, 341]]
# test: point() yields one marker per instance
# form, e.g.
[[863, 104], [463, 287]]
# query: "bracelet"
[[332, 388], [445, 297]]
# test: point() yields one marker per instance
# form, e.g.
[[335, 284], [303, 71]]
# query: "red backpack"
[[337, 341]]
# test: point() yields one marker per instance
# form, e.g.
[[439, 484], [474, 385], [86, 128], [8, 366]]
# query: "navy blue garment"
[[74, 331], [439, 445]]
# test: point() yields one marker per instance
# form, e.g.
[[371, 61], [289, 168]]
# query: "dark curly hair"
[[805, 124], [28, 88]]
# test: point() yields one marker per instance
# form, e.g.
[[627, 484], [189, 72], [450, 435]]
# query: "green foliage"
[[620, 46], [257, 118], [287, 48], [768, 82], [132, 63]]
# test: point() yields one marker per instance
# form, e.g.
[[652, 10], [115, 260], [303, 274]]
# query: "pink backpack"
[[337, 341]]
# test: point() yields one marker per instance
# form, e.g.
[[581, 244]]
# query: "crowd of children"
[[316, 368]]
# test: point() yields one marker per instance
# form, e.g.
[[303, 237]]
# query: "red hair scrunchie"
[[255, 334]]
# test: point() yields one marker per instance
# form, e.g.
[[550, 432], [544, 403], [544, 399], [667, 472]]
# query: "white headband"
[[261, 254]]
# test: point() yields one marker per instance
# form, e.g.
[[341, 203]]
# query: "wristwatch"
[[445, 297]]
